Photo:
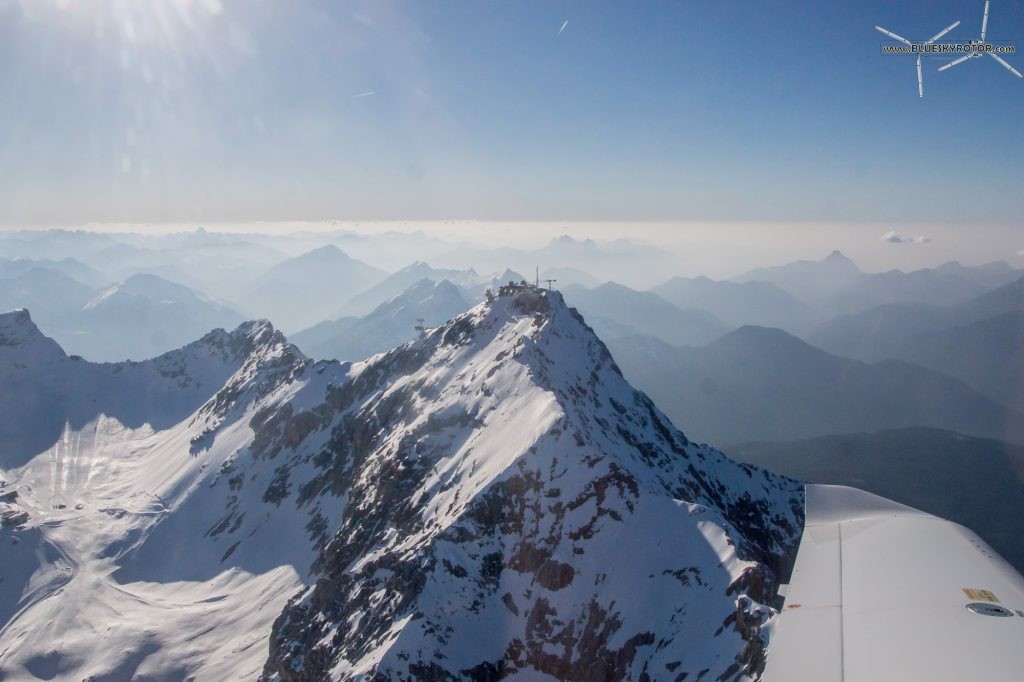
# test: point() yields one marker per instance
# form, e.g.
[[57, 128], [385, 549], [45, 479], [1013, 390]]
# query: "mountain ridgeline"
[[764, 384], [459, 506]]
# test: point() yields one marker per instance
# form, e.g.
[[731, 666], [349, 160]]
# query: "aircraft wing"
[[883, 592]]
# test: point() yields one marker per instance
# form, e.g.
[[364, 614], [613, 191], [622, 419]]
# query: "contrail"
[[564, 24], [365, 94]]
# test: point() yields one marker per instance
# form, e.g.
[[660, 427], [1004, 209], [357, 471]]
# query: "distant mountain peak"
[[759, 337], [416, 266], [447, 287], [567, 240], [147, 286], [426, 287], [19, 316], [839, 259], [613, 286], [325, 251], [17, 328], [508, 275], [147, 281]]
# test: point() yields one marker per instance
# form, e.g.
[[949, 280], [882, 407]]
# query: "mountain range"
[[980, 341], [305, 290], [398, 282], [223, 264], [456, 507], [837, 286], [740, 303], [11, 268], [757, 383], [137, 318], [638, 263], [616, 311], [391, 324]]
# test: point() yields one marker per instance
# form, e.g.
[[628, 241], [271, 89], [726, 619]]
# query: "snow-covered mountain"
[[489, 500], [75, 269], [49, 395], [140, 317], [143, 316], [396, 283], [391, 324], [475, 291]]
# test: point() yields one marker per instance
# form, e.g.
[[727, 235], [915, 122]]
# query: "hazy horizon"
[[713, 249]]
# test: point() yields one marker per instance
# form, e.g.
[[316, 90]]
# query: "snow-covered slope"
[[396, 283], [143, 316], [492, 499], [139, 317], [119, 463], [48, 394]]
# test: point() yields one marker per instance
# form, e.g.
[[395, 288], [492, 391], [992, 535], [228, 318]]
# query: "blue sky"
[[167, 110]]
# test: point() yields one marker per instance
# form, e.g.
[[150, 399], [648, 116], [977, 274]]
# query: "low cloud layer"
[[894, 237]]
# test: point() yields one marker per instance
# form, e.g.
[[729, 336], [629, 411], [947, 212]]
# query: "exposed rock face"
[[513, 505], [492, 499], [10, 513]]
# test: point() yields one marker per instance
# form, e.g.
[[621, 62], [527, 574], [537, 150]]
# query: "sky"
[[700, 112]]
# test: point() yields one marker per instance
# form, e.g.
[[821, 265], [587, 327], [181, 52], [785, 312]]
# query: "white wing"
[[944, 32], [984, 21], [920, 79], [887, 593], [999, 59], [893, 35], [954, 62]]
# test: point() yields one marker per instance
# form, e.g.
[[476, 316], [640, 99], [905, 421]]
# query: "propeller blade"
[[984, 21], [894, 36], [999, 59], [954, 62], [920, 78], [947, 30]]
